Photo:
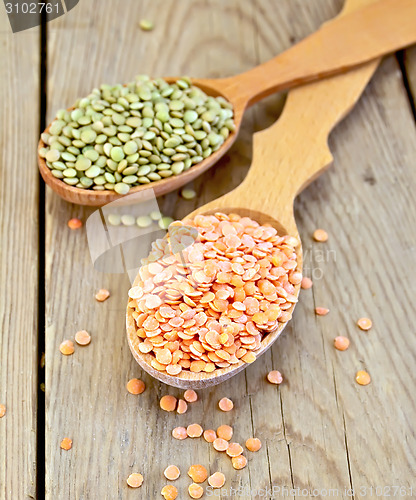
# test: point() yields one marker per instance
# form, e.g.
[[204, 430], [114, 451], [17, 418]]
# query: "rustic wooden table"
[[319, 429]]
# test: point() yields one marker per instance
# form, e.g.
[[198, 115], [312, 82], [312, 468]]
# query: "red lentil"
[[275, 377], [238, 284], [172, 472], [306, 283], [2, 411], [135, 386], [225, 432], [198, 473], [320, 235], [210, 435], [102, 295], [135, 480], [341, 343], [179, 433], [190, 396], [253, 444], [74, 223], [216, 480], [67, 347], [225, 404], [364, 323], [195, 490], [239, 462], [362, 377], [82, 337], [66, 444], [321, 311], [169, 492], [234, 450], [194, 431], [168, 403], [182, 406], [220, 444]]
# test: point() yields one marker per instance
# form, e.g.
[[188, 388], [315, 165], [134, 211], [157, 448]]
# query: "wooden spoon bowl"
[[187, 379], [345, 42]]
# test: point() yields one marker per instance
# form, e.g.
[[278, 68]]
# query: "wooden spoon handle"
[[347, 41], [294, 151]]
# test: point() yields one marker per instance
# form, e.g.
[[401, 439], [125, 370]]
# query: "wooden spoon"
[[347, 41], [286, 158]]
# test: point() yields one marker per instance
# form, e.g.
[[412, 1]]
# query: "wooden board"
[[319, 429], [19, 229]]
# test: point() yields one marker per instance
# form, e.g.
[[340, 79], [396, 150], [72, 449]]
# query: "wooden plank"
[[319, 430], [19, 84]]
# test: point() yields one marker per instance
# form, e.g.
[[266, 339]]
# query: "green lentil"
[[128, 220], [121, 136], [165, 222], [155, 215], [114, 219], [144, 221]]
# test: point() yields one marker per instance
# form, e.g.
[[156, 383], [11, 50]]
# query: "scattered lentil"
[[182, 406], [135, 480], [253, 444], [74, 223], [66, 444], [128, 220], [2, 411], [321, 311], [146, 25], [225, 404], [234, 450], [211, 304], [195, 490], [275, 377], [121, 136], [225, 432], [341, 343], [82, 337], [216, 480], [306, 283], [220, 444], [169, 492], [172, 472], [102, 295], [165, 222], [67, 347], [194, 431], [190, 395], [210, 435], [320, 235], [362, 377], [114, 219], [179, 433], [135, 386], [239, 462], [198, 473], [168, 403], [364, 323], [188, 194]]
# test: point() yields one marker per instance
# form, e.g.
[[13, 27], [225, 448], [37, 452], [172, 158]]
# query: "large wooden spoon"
[[347, 41], [286, 158]]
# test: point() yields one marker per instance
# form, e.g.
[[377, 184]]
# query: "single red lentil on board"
[[320, 235], [365, 323], [135, 480], [102, 295], [362, 377], [2, 411], [74, 223], [321, 311], [66, 444], [275, 377], [341, 343], [306, 283], [225, 404]]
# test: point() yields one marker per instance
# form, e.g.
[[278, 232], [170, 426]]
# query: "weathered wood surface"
[[319, 429], [19, 228]]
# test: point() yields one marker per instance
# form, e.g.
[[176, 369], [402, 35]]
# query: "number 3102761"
[[32, 7]]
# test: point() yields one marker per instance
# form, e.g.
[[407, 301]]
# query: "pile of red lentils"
[[209, 305]]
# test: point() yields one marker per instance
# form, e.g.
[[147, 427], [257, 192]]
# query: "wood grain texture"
[[19, 85], [319, 429]]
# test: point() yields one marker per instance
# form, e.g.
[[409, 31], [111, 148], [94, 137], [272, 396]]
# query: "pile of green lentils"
[[121, 136]]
